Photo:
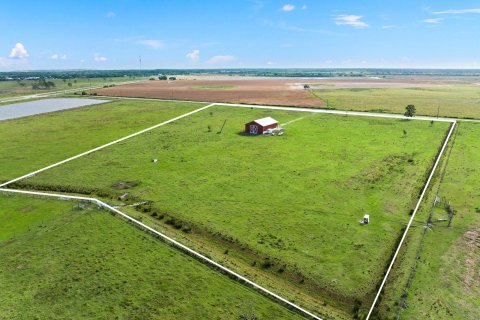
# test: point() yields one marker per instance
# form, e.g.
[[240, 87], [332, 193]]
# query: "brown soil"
[[268, 92], [472, 276]]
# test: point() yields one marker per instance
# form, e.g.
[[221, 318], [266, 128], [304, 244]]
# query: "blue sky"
[[238, 33]]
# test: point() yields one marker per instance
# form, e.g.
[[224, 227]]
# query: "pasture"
[[58, 261], [290, 205], [459, 101], [446, 282], [24, 87], [30, 143]]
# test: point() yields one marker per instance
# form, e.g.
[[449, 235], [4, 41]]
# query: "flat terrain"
[[282, 199], [446, 284], [24, 87], [252, 91], [456, 96], [30, 143], [61, 262], [460, 101], [30, 108]]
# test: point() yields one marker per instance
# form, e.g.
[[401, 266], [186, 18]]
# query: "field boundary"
[[60, 92], [415, 210], [307, 109], [175, 243], [204, 258], [31, 174], [323, 111]]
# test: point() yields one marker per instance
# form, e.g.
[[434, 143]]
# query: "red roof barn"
[[261, 125]]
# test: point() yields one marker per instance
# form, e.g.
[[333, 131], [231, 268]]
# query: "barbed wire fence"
[[428, 224]]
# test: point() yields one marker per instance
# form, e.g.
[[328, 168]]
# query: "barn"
[[260, 126]]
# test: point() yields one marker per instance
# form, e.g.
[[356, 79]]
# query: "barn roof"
[[266, 121]]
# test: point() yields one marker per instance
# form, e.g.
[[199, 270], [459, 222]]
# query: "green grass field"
[[446, 284], [31, 143], [454, 101], [294, 201], [18, 88], [60, 262]]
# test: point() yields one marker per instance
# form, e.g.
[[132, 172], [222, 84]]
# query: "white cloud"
[[152, 43], [99, 58], [288, 7], [433, 21], [221, 59], [82, 60], [389, 27], [350, 20], [194, 56], [271, 63], [18, 52], [110, 14], [405, 59], [328, 61], [56, 56], [304, 7], [461, 11]]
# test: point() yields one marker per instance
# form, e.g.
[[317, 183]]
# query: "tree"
[[172, 78], [163, 77], [306, 86], [410, 110]]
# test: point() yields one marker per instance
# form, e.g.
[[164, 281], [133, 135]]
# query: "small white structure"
[[366, 219]]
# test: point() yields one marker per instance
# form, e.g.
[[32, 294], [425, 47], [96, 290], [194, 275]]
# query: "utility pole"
[[140, 63], [438, 111]]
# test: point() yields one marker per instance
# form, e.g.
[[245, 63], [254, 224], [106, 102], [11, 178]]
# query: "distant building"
[[260, 126]]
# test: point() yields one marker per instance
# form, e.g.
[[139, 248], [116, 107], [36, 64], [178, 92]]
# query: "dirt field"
[[270, 91]]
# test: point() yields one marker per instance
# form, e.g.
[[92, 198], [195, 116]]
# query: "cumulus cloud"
[[110, 14], [99, 58], [288, 7], [18, 52], [221, 59], [350, 20], [433, 21], [152, 43], [461, 11], [304, 7], [194, 56]]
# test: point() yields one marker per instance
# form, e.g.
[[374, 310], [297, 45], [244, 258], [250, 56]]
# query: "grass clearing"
[[9, 89], [454, 101], [88, 264], [447, 281], [292, 202], [30, 143]]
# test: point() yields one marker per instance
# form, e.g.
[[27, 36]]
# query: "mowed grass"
[[59, 262], [30, 143], [446, 284], [297, 198], [454, 101]]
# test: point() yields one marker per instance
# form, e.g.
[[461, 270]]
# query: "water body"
[[30, 108]]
